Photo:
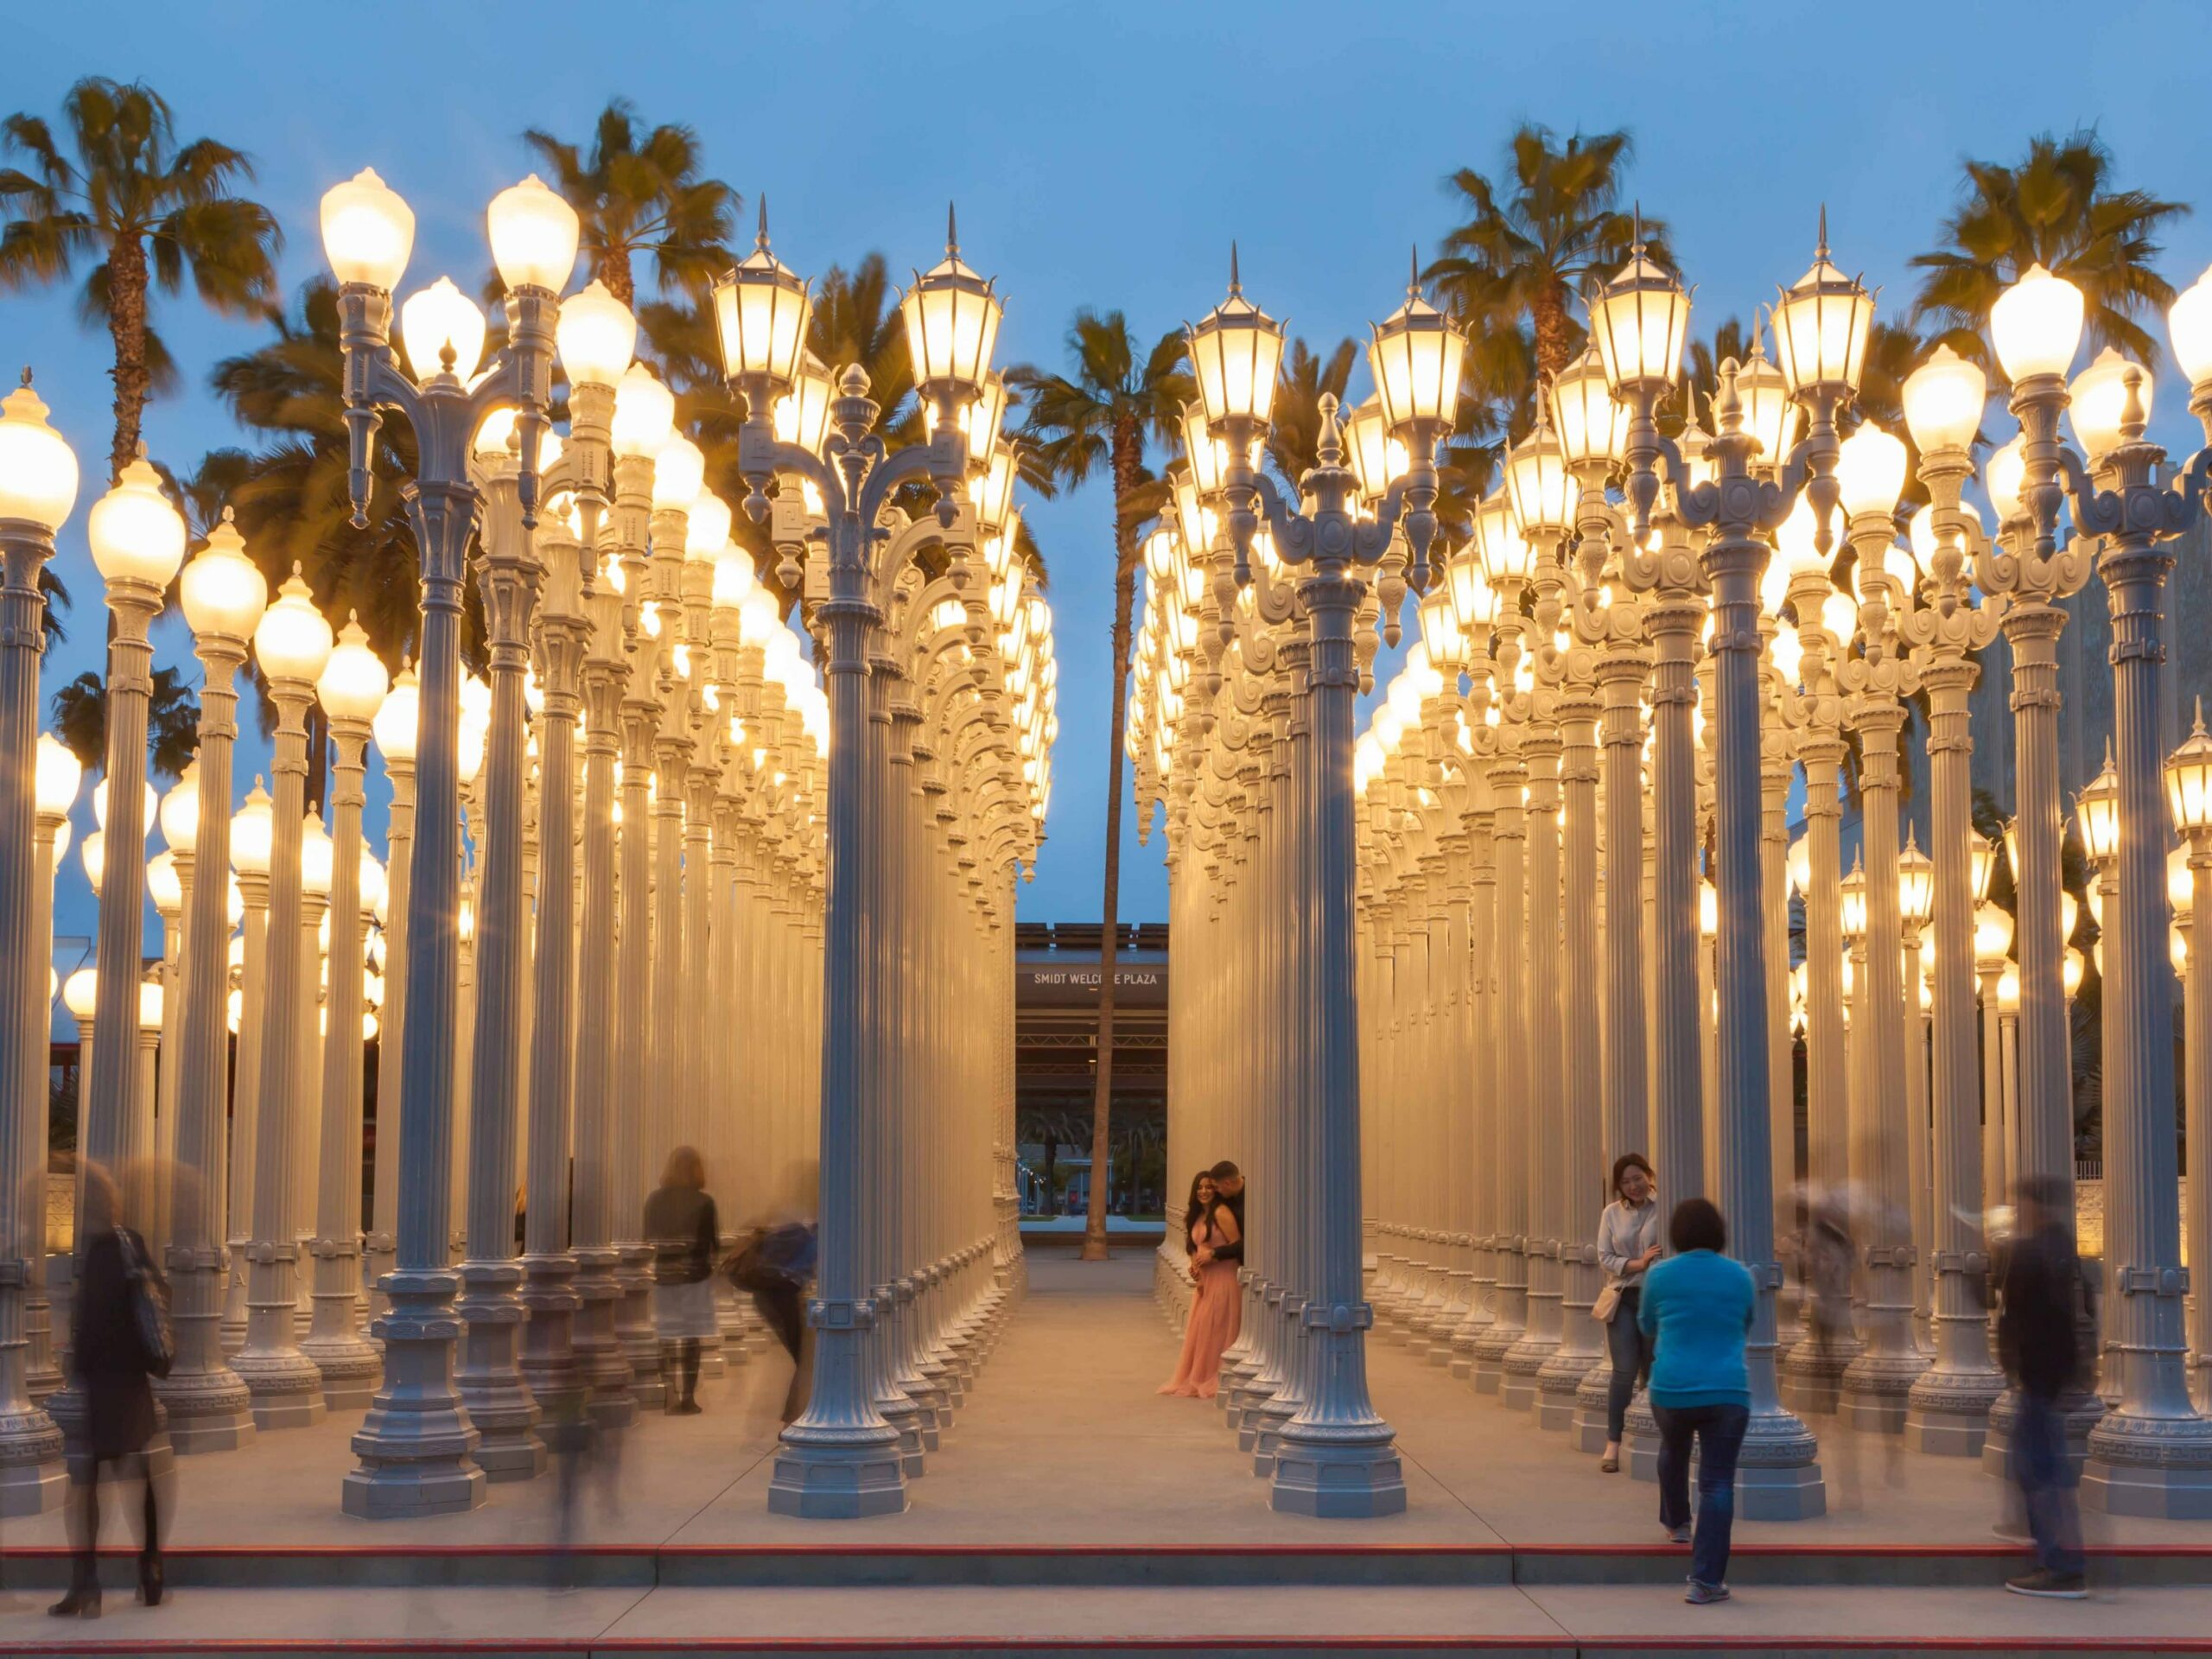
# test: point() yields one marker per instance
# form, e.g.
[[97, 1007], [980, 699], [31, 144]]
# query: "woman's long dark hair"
[[1624, 1163], [1195, 1210]]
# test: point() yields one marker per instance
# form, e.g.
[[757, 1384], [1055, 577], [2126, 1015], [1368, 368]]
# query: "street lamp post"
[[292, 643], [209, 1407], [1948, 1410], [137, 541], [416, 1444], [351, 688], [1820, 329], [59, 775], [38, 487], [396, 722], [841, 1458], [1336, 1455]]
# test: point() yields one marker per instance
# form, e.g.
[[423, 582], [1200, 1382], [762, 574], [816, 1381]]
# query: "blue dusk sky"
[[1104, 155]]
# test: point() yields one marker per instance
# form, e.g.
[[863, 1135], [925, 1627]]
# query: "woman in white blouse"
[[1628, 1242]]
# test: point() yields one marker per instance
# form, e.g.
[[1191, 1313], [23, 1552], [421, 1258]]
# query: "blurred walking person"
[[2039, 1335], [119, 1341], [1628, 1243], [1697, 1305], [681, 1225], [774, 1264]]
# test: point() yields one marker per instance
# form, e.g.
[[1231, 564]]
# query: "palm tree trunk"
[[126, 323], [615, 270], [1127, 456], [1552, 347]]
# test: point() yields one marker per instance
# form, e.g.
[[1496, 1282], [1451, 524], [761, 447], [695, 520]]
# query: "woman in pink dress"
[[1216, 1309]]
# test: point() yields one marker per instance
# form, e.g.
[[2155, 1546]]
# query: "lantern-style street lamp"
[[38, 488], [415, 1446]]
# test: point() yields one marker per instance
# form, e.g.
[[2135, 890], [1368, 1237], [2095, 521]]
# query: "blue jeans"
[[2047, 1478], [1630, 1351], [1719, 1430]]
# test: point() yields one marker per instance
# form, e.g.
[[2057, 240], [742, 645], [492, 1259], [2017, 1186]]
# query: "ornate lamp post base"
[[286, 1389], [416, 1446], [1778, 1473], [829, 1481], [1320, 1474], [1948, 1414], [1876, 1388], [1591, 1400], [32, 1476], [209, 1411], [2158, 1466], [489, 1376]]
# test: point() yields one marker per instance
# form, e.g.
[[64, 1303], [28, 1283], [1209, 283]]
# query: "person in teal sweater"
[[1697, 1305]]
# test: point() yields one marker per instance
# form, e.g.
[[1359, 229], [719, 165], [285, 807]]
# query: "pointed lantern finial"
[[1235, 286], [1821, 252], [760, 239], [951, 232]]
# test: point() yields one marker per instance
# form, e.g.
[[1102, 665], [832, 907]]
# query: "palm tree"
[[147, 209], [640, 192], [1100, 417], [1294, 422], [1526, 250], [172, 722], [2056, 208]]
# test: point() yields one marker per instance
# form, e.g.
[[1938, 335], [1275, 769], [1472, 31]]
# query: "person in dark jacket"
[[112, 1369], [682, 1227], [1229, 1188], [2038, 1335]]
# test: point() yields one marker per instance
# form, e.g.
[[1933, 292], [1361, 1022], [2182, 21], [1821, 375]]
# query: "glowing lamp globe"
[[2189, 781], [1821, 323], [644, 415], [1854, 904], [757, 620], [1591, 425], [1943, 402], [1916, 886], [164, 887], [1439, 629], [373, 883], [1538, 485], [2098, 402], [81, 994], [993, 496], [1771, 412], [137, 536], [223, 592], [2008, 991], [761, 309], [596, 336], [2099, 806], [395, 725], [437, 321], [352, 682], [533, 234], [318, 860], [180, 809], [1800, 864], [1235, 352], [1376, 459], [2188, 324], [734, 579], [2036, 325], [706, 531], [252, 832], [1708, 909], [495, 439], [801, 415], [38, 470], [679, 474], [56, 777], [2181, 884], [1507, 555], [1638, 322], [2003, 474], [951, 316], [1871, 470], [93, 853], [1992, 933], [1414, 355], [367, 231], [293, 639]]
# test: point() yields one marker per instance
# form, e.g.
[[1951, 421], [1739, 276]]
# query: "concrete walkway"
[[1091, 1507]]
